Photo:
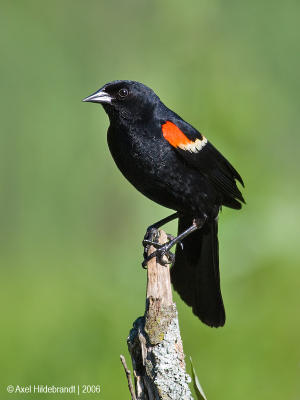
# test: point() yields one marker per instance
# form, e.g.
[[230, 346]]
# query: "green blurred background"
[[71, 226]]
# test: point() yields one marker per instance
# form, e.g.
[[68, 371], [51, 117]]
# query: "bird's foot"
[[162, 253], [150, 239]]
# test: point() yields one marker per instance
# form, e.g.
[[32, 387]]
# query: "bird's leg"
[[171, 237], [151, 235], [164, 249], [154, 227]]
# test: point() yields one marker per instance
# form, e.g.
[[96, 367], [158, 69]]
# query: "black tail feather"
[[195, 273]]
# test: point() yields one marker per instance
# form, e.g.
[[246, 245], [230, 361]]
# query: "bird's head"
[[128, 100]]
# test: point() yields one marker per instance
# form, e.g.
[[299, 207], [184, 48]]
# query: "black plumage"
[[173, 164]]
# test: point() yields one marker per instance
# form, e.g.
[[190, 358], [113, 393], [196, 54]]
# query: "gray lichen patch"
[[159, 368], [158, 319], [169, 366]]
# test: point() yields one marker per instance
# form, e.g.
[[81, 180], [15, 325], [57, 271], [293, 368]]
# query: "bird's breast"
[[152, 166], [148, 164], [137, 156]]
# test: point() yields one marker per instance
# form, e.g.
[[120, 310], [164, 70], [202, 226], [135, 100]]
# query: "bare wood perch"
[[154, 342]]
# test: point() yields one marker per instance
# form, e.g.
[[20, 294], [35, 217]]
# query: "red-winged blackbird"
[[173, 164]]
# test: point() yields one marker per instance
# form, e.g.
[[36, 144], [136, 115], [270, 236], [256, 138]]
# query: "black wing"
[[199, 153]]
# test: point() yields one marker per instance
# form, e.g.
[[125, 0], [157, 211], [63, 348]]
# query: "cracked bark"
[[154, 342]]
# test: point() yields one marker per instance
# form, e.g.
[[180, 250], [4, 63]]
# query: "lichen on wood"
[[154, 342]]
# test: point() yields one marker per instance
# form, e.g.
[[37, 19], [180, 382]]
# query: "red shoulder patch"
[[174, 135], [177, 138]]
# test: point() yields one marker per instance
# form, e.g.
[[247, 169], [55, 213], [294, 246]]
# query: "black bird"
[[173, 164]]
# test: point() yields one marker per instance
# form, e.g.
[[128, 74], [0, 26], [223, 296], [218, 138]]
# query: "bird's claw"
[[152, 234], [150, 239], [162, 254], [147, 243]]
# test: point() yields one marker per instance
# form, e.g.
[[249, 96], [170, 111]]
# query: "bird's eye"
[[123, 93]]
